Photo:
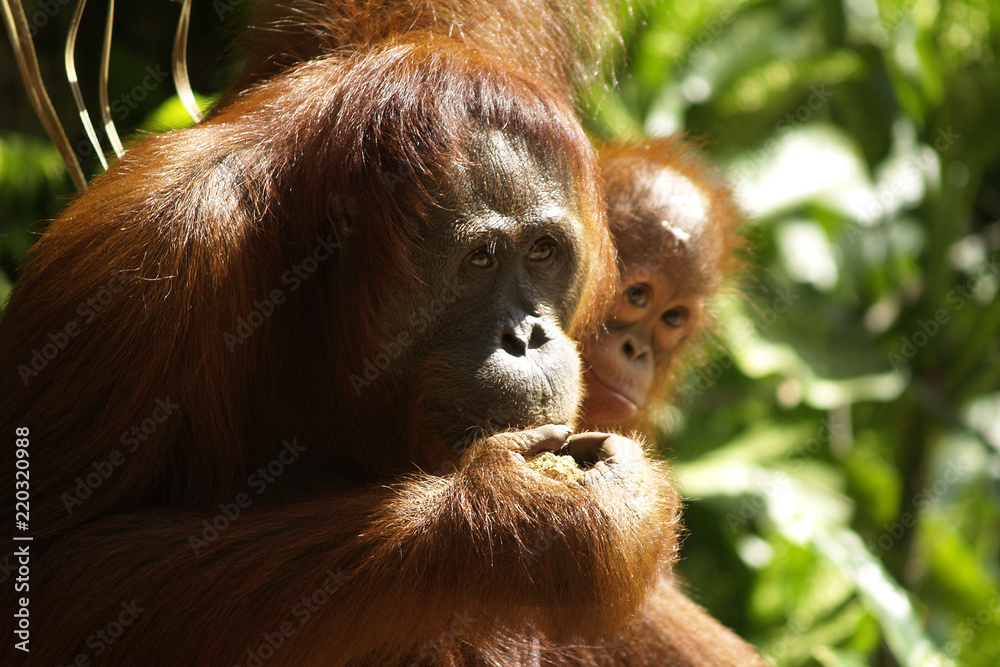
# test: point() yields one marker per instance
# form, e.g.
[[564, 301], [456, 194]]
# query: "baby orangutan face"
[[652, 318], [676, 229]]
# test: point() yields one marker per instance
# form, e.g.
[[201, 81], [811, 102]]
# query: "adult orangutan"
[[677, 230], [278, 374]]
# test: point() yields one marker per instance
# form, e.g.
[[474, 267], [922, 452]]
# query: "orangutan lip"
[[613, 391]]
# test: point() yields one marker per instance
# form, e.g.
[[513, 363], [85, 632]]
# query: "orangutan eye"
[[482, 258], [675, 318], [637, 295], [543, 250]]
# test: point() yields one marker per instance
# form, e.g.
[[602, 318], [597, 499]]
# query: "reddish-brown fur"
[[560, 41], [488, 564]]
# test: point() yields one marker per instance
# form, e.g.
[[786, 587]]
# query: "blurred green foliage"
[[841, 451], [841, 447]]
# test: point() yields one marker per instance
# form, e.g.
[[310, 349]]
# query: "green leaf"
[[171, 115]]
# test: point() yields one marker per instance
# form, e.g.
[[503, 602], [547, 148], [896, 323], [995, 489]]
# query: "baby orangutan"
[[676, 227]]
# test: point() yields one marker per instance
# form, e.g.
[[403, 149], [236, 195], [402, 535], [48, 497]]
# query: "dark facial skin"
[[658, 308], [507, 241]]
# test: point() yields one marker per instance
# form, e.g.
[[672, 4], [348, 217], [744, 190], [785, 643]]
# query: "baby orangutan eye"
[[637, 295], [675, 317]]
